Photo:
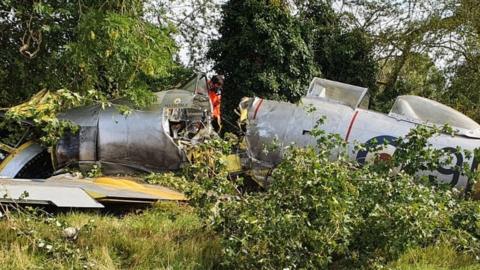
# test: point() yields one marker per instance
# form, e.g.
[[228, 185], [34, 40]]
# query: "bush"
[[303, 221], [318, 213], [396, 214], [205, 181]]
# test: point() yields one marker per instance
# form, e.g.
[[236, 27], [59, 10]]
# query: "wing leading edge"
[[69, 192]]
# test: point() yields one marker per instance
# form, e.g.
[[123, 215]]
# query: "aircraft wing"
[[70, 192]]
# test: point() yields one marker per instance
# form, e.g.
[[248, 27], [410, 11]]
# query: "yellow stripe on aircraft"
[[130, 185], [13, 153]]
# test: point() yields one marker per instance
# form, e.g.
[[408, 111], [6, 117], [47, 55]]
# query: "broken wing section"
[[65, 191]]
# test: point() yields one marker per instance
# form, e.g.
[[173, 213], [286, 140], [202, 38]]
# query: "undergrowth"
[[438, 257], [324, 214], [316, 214], [168, 236]]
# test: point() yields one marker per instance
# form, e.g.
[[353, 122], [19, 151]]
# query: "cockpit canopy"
[[197, 84], [346, 94], [426, 110], [406, 107]]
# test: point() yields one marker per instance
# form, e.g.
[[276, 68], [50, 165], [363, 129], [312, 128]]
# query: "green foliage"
[[268, 50], [168, 236], [396, 214], [418, 76], [463, 93], [91, 50], [41, 110], [121, 56], [205, 181], [33, 36], [342, 54], [415, 153], [82, 46], [301, 222], [319, 213], [261, 52], [196, 22]]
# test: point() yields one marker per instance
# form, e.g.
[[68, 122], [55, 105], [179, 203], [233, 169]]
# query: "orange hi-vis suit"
[[216, 99]]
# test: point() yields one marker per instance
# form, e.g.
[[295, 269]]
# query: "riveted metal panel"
[[138, 140]]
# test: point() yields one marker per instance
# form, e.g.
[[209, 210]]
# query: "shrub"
[[302, 221], [205, 181], [318, 213]]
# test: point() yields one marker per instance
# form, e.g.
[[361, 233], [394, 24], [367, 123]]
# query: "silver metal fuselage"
[[147, 140], [280, 124]]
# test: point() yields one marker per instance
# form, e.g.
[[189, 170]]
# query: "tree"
[[32, 36], [261, 52], [196, 23], [105, 46], [342, 53], [418, 76], [121, 55], [463, 93], [402, 31]]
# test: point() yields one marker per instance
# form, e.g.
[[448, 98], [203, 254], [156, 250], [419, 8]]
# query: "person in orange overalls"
[[215, 93]]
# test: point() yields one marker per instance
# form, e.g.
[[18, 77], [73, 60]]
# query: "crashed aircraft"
[[150, 140], [345, 108], [158, 138]]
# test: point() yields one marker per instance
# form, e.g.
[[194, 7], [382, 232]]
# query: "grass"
[[441, 257], [168, 236]]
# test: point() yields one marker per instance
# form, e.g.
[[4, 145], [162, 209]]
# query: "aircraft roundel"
[[385, 154]]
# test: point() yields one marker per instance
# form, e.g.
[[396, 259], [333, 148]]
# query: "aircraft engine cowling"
[[118, 142]]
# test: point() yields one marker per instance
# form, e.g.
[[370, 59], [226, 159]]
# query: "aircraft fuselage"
[[281, 124]]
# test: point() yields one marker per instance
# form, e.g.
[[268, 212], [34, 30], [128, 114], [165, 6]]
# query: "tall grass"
[[168, 236], [441, 257]]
